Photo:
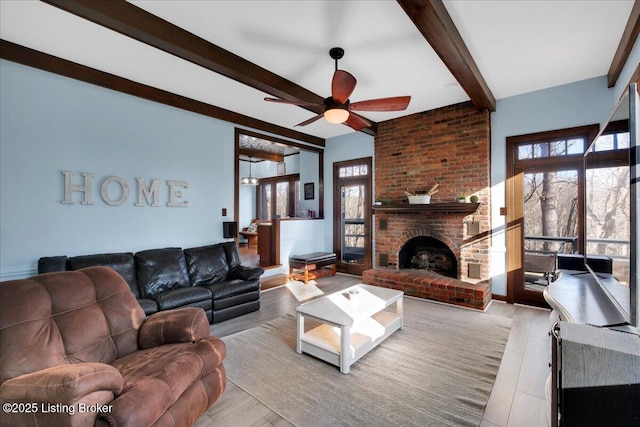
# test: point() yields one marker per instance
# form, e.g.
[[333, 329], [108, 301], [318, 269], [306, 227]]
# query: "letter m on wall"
[[151, 194]]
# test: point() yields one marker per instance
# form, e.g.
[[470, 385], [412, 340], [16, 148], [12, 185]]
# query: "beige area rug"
[[304, 292], [437, 371]]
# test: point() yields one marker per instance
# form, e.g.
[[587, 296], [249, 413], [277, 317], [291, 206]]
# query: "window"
[[557, 148], [612, 141], [552, 164], [608, 214], [353, 171], [278, 197]]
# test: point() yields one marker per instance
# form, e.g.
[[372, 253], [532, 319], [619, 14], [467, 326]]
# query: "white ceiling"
[[519, 47]]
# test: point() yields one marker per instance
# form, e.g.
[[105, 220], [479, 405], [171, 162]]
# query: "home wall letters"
[[145, 195]]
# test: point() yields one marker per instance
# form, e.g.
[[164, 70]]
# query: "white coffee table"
[[350, 327]]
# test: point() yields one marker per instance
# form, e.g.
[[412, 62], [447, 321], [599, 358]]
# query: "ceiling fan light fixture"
[[336, 115], [338, 106]]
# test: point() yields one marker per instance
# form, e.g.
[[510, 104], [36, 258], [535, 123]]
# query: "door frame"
[[514, 195], [338, 182]]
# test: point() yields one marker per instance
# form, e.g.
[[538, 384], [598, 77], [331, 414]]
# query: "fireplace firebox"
[[428, 253]]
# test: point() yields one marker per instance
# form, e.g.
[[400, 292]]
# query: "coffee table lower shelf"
[[324, 341]]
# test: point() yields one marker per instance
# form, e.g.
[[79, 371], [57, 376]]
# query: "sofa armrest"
[[246, 273], [174, 326], [63, 384]]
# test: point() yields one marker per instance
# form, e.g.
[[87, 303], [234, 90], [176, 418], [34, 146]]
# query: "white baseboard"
[[18, 273]]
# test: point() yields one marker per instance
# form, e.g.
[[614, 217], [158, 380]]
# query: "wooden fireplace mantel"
[[454, 207]]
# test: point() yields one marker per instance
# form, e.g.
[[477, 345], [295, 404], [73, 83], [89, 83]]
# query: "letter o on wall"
[[124, 190]]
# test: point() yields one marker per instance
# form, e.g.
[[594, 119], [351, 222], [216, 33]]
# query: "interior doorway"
[[352, 215]]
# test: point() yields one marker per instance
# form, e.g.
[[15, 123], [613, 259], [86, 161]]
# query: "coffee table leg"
[[400, 311], [345, 351], [299, 332]]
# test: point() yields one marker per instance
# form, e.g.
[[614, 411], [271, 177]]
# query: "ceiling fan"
[[338, 108]]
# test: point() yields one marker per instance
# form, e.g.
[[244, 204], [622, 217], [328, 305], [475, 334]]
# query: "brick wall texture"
[[448, 146]]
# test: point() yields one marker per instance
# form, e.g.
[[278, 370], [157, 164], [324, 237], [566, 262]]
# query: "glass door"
[[352, 216], [550, 226], [545, 208]]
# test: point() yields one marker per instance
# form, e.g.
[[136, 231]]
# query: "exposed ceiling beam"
[[265, 155], [132, 21], [32, 58], [629, 37], [434, 22]]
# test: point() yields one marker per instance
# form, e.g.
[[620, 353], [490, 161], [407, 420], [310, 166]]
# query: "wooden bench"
[[312, 266]]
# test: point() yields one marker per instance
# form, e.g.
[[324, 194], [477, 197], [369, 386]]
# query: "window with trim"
[[550, 165], [278, 197], [557, 148], [607, 199], [553, 170], [354, 170]]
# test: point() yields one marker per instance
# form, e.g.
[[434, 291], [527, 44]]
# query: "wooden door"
[[352, 215]]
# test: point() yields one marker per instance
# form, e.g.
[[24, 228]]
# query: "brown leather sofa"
[[77, 350]]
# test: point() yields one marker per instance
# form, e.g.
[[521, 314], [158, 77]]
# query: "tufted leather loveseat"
[[209, 277]]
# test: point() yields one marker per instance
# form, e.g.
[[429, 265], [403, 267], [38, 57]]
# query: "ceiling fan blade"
[[299, 103], [357, 122], [311, 120], [342, 86], [396, 103]]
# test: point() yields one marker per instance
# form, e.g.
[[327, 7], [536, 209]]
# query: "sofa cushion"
[[159, 270], [44, 320], [229, 288], [157, 376], [233, 255], [120, 262], [182, 296], [207, 264], [49, 264]]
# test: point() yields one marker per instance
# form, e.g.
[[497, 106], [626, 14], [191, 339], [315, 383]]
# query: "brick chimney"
[[448, 146]]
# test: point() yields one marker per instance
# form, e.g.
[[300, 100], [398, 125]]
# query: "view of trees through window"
[[551, 211], [278, 197], [282, 199], [551, 200], [353, 222], [352, 211], [608, 216]]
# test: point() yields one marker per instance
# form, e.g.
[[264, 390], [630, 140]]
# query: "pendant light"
[[249, 180]]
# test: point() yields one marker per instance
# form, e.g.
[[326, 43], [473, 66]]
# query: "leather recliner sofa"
[[209, 277], [77, 350]]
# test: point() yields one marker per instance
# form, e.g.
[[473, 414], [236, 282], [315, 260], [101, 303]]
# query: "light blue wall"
[[49, 124]]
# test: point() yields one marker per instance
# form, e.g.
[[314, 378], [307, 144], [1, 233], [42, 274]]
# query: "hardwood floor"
[[517, 398]]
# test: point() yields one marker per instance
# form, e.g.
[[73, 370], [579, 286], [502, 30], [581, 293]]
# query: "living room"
[[56, 127]]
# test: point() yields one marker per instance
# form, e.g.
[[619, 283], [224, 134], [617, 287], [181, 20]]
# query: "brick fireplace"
[[448, 146]]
